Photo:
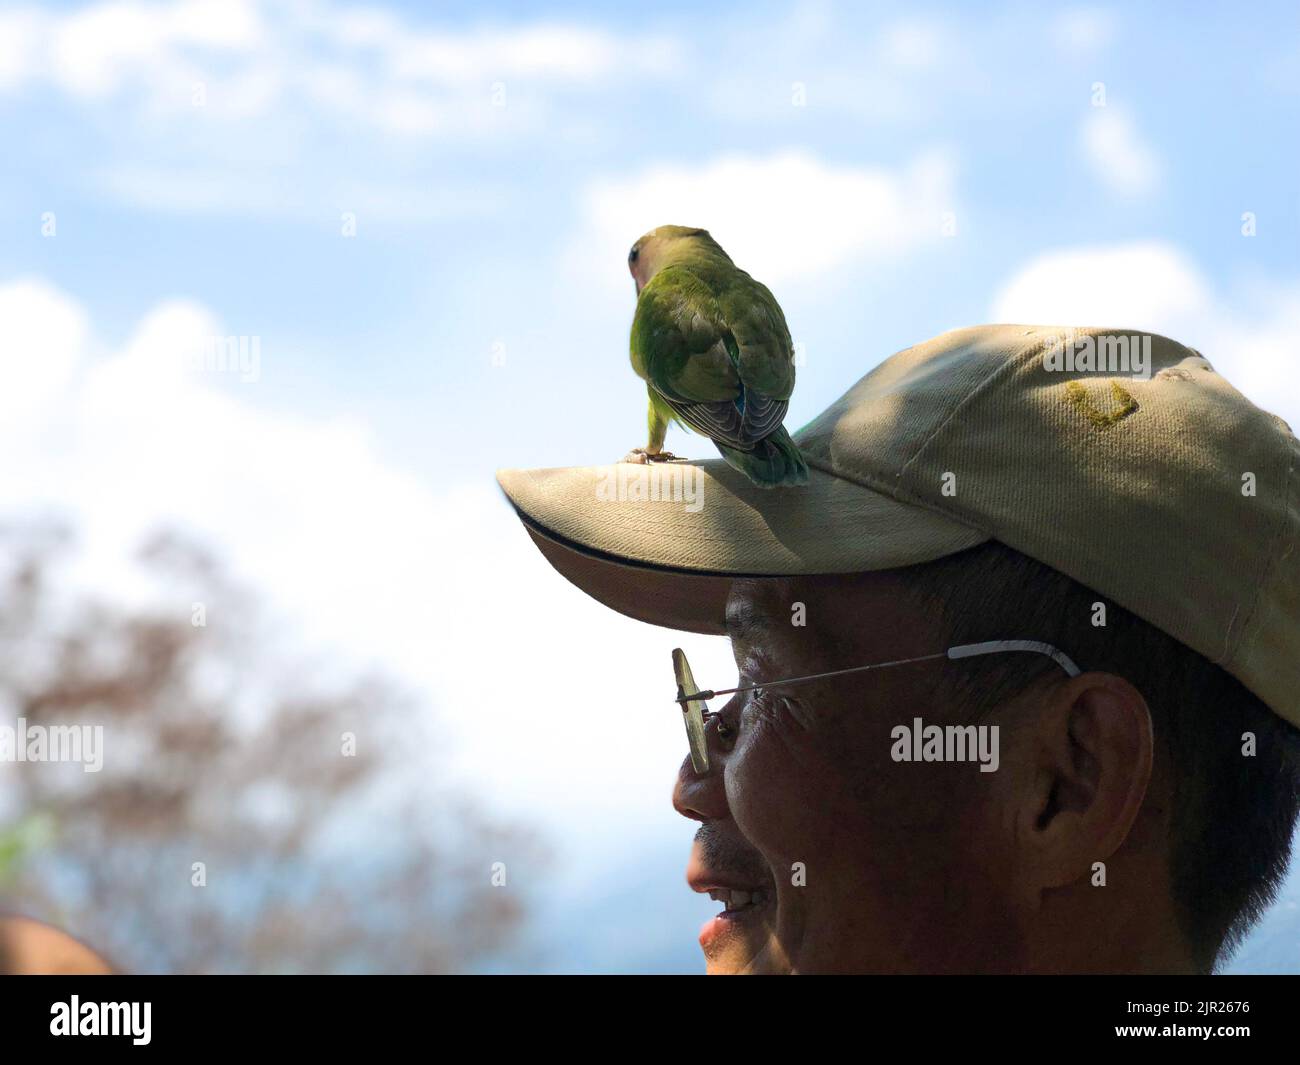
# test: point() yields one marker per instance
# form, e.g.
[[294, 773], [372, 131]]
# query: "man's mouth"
[[737, 901], [730, 871], [744, 911]]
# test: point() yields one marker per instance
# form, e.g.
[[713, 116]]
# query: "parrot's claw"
[[641, 456]]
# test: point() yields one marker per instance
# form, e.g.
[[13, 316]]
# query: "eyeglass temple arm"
[[992, 647], [966, 650]]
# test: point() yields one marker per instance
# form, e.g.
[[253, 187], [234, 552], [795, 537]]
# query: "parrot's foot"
[[641, 456]]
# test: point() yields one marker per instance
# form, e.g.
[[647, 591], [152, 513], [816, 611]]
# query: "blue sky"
[[890, 170]]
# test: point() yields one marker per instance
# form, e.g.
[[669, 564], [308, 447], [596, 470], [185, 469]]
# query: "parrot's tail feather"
[[774, 461]]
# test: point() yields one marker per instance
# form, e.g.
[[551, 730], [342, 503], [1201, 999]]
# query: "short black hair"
[[1233, 817]]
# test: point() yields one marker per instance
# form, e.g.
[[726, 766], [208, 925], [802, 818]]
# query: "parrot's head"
[[665, 245]]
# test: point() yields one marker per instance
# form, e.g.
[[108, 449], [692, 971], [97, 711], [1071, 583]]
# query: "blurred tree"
[[256, 812]]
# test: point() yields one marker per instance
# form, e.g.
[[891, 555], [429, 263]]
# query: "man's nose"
[[701, 796]]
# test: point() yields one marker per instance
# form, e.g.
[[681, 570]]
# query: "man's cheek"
[[772, 797], [811, 747]]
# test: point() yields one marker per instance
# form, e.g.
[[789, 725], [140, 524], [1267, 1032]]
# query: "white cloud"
[[348, 62], [44, 336], [1246, 333], [783, 217], [240, 191], [304, 109], [913, 44], [437, 584], [568, 52], [1117, 153], [1146, 284], [95, 50], [20, 34], [1085, 29]]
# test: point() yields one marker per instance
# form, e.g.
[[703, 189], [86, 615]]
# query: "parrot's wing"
[[690, 355], [766, 363], [679, 345]]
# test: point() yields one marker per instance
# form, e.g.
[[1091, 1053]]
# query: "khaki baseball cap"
[[1119, 458]]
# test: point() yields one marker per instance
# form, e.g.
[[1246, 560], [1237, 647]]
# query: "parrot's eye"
[[631, 256]]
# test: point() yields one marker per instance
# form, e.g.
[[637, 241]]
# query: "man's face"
[[837, 857]]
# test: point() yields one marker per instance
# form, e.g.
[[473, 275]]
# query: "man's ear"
[[1091, 754]]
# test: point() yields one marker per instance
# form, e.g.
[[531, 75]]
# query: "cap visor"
[[662, 543]]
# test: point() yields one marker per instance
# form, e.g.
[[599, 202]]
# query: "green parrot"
[[713, 348]]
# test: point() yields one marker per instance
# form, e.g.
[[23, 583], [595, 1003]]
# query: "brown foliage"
[[223, 746]]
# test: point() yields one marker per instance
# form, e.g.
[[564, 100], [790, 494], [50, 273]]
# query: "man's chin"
[[738, 943]]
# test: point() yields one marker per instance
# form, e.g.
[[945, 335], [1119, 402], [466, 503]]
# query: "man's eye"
[[761, 704], [727, 720]]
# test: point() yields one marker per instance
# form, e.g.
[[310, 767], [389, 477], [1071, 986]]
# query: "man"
[[1072, 563]]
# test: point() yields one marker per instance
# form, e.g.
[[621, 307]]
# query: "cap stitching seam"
[[896, 490], [1007, 367]]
